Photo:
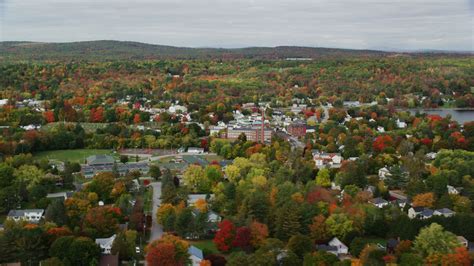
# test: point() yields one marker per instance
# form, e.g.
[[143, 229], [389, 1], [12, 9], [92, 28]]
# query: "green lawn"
[[205, 245], [78, 155], [88, 127], [148, 200]]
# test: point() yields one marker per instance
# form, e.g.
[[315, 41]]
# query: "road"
[[156, 229]]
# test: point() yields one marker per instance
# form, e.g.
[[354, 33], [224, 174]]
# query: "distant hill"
[[119, 50]]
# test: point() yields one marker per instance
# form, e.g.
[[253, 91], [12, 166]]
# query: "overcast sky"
[[360, 24]]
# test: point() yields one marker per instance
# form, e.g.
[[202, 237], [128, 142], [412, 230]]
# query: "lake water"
[[460, 115]]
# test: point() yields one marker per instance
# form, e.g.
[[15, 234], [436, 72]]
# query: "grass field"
[[78, 155], [88, 127], [205, 245]]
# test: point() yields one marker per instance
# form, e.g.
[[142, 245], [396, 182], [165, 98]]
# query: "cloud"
[[402, 24]]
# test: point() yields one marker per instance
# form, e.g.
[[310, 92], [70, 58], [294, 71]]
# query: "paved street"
[[156, 229]]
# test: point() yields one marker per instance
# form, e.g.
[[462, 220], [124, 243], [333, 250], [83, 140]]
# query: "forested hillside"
[[113, 50]]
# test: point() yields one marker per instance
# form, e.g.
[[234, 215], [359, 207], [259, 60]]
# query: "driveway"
[[156, 229]]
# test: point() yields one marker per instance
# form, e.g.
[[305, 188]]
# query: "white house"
[[3, 102], [177, 108], [452, 190], [335, 246], [64, 195], [379, 202], [195, 255], [463, 241], [195, 150], [420, 212], [330, 160], [401, 124], [105, 244], [415, 212], [30, 215], [384, 173]]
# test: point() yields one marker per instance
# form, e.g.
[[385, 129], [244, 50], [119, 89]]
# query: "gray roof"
[[100, 159], [326, 248], [194, 251], [378, 201], [427, 212], [105, 241], [445, 211], [19, 213]]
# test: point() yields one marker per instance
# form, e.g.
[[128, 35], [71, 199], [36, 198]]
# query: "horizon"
[[387, 50], [402, 26]]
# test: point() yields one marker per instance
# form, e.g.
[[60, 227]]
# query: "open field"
[[78, 155], [88, 127], [207, 245]]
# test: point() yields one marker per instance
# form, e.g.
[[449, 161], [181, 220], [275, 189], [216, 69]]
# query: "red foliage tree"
[[161, 254], [136, 119], [225, 236], [96, 115], [382, 142], [319, 194], [49, 116], [459, 257], [242, 237]]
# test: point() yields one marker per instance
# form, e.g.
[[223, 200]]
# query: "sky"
[[356, 24]]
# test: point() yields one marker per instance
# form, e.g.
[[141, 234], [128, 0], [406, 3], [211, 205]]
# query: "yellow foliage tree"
[[424, 200], [201, 205]]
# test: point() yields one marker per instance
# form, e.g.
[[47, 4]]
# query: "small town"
[[235, 133]]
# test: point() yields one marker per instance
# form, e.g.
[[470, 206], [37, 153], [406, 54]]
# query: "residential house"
[[420, 212], [379, 202], [463, 241], [431, 155], [195, 255], [105, 244], [415, 212], [384, 173], [212, 217], [444, 212], [329, 160], [426, 213], [401, 124], [452, 190], [401, 202], [335, 246], [60, 195], [177, 109], [195, 150], [30, 215]]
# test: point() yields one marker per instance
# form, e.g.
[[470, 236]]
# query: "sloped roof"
[[194, 251], [100, 159]]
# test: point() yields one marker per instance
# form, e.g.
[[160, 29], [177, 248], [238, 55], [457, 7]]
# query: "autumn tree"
[[323, 178], [434, 239], [424, 200], [319, 231], [225, 235], [242, 238], [169, 250], [259, 232]]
